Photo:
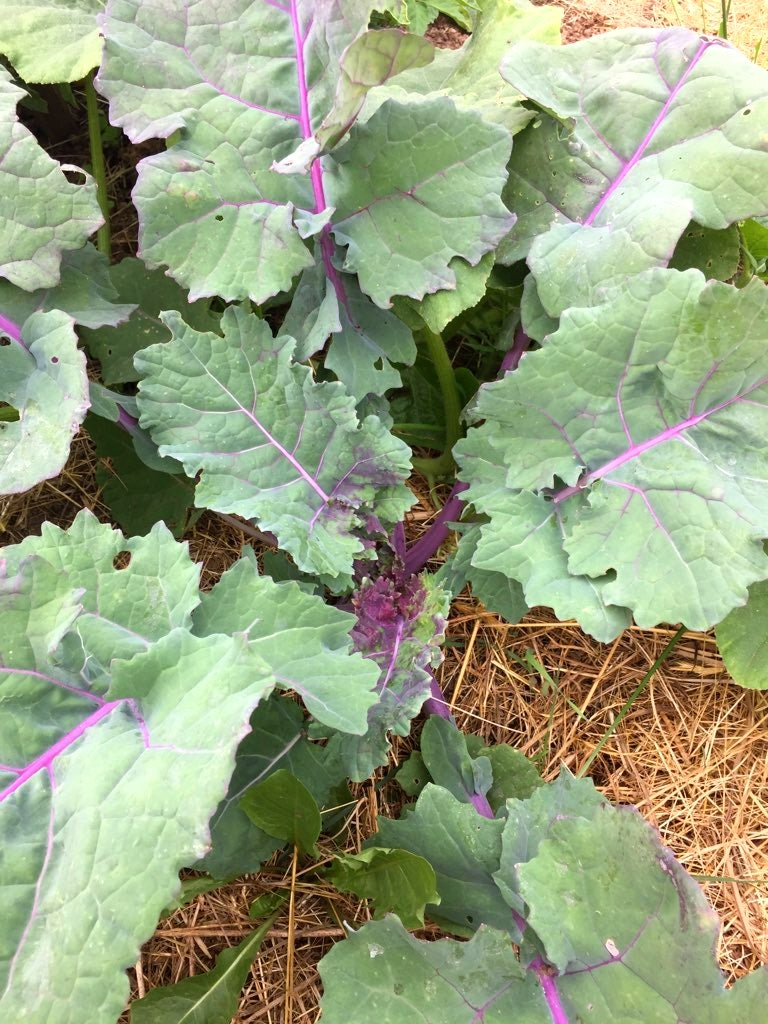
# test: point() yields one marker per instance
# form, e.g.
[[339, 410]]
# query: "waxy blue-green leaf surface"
[[470, 74], [613, 929], [35, 234], [51, 40], [642, 131], [42, 377], [412, 194], [306, 642], [272, 444], [85, 292], [120, 740], [463, 848], [638, 478], [430, 192]]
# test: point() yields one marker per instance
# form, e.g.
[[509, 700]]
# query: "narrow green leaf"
[[284, 808], [210, 998]]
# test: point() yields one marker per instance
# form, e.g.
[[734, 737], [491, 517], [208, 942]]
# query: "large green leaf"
[[641, 131], [34, 235], [613, 929], [227, 208], [272, 444], [401, 221], [113, 758], [51, 40], [637, 479], [42, 378], [401, 980], [306, 642]]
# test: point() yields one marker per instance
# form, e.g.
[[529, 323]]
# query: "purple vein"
[[46, 759], [12, 329], [647, 139], [271, 439], [549, 990], [316, 173], [393, 656], [636, 450], [54, 682]]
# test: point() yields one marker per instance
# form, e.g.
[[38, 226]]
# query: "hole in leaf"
[[8, 414], [121, 560], [74, 175], [470, 919], [218, 217], [5, 341]]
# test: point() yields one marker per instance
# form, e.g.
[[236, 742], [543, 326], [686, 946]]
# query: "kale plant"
[[534, 272]]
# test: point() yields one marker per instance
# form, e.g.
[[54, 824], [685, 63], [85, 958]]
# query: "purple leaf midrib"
[[271, 439], [316, 172], [12, 329], [45, 759], [648, 137], [636, 450]]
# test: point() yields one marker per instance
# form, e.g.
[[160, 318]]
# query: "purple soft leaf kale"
[[638, 478], [289, 453], [399, 628], [240, 111], [609, 924], [641, 131]]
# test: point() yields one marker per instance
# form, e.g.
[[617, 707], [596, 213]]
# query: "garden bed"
[[691, 753]]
